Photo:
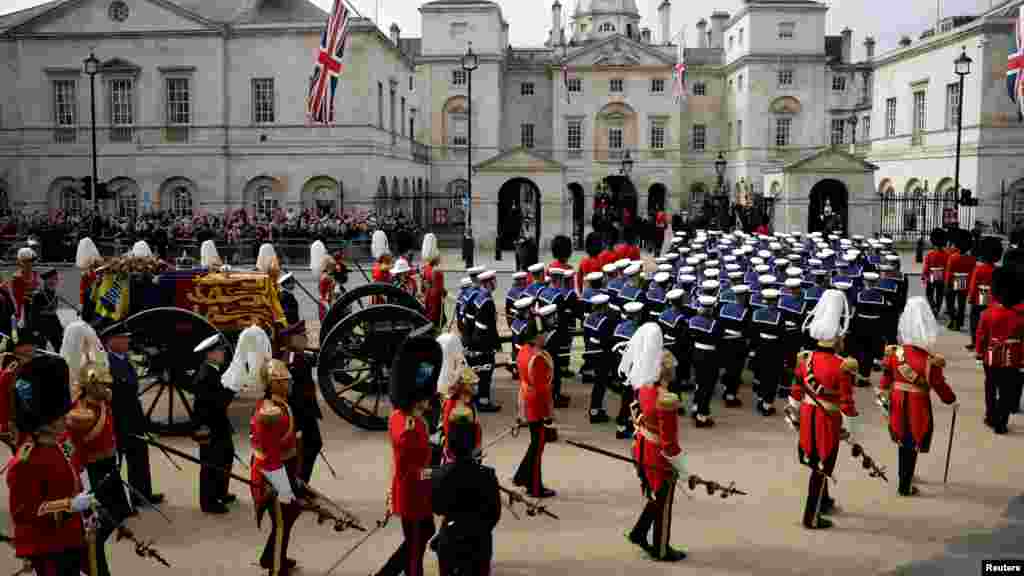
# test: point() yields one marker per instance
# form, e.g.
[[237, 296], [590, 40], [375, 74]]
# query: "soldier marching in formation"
[[215, 432]]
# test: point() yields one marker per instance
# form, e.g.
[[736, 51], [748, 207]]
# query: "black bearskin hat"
[[594, 244], [628, 235], [990, 248], [561, 247], [461, 433], [415, 369], [964, 240], [938, 237], [611, 235], [42, 392], [403, 242]]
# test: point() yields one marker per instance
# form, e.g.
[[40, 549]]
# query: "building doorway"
[[518, 212], [827, 209]]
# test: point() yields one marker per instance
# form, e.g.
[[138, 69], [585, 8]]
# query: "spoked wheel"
[[354, 368], [162, 344], [361, 298]]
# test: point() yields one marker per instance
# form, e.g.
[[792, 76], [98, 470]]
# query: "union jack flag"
[[679, 81], [328, 67]]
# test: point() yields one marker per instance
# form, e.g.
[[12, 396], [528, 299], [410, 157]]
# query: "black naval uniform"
[[598, 329], [306, 411], [216, 445], [624, 421], [43, 317], [130, 420], [673, 322], [735, 319], [705, 335], [868, 330], [794, 310], [769, 330], [480, 355], [548, 296]]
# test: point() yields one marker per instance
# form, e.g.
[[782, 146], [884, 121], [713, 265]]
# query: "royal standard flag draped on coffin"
[[236, 300], [111, 298]]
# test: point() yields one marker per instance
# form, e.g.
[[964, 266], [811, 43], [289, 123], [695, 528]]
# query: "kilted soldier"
[[674, 326], [43, 310], [515, 293], [735, 320], [535, 400], [826, 407], [480, 353], [538, 280], [705, 334], [998, 346], [632, 318], [868, 327], [660, 460], [456, 387], [768, 328], [46, 494], [598, 329], [214, 435], [911, 371]]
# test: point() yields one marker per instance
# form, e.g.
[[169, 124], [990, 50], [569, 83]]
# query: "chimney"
[[718, 21], [645, 35], [665, 22], [869, 48], [702, 33], [556, 24], [847, 53], [395, 33]]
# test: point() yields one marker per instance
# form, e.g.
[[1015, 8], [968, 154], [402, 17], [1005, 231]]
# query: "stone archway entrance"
[[615, 206], [518, 212], [827, 209], [578, 210]]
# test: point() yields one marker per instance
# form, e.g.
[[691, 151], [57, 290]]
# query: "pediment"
[[75, 17], [519, 160], [832, 161], [617, 51]]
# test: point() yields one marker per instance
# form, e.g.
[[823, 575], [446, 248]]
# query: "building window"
[[458, 77], [787, 30], [739, 133], [574, 136], [179, 109], [657, 85], [118, 11], [700, 89], [838, 83], [890, 117], [182, 201], [575, 85], [741, 38], [412, 87], [127, 203], [658, 134], [731, 41], [700, 133], [267, 203], [952, 106], [526, 89], [739, 83], [920, 117], [785, 77], [70, 200], [838, 131], [457, 129], [122, 109], [865, 123], [606, 27], [615, 85], [65, 110], [783, 129], [526, 135], [380, 105], [263, 100], [615, 138]]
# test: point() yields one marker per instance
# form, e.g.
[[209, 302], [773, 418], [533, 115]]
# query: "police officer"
[[735, 320], [865, 344], [484, 342], [769, 330], [214, 435], [598, 330], [632, 319], [705, 333]]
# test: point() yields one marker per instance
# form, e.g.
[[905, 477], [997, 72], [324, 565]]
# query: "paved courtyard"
[[947, 530]]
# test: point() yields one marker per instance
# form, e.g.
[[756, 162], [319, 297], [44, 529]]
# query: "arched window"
[[127, 202], [182, 199], [70, 200], [266, 200], [606, 27]]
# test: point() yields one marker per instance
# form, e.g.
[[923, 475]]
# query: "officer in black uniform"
[[522, 307], [735, 320], [43, 310], [705, 333], [633, 317], [214, 435], [303, 397], [688, 307], [480, 353], [868, 327], [769, 329], [673, 322], [598, 329], [289, 302]]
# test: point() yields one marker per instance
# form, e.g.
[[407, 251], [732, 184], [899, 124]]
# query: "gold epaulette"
[[802, 356], [891, 349], [410, 423], [849, 365], [269, 413], [25, 450], [80, 418], [938, 360], [668, 400]]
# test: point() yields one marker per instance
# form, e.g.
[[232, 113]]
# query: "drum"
[[1005, 354], [984, 294], [936, 274], [959, 281]]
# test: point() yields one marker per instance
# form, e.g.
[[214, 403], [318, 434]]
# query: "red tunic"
[[997, 325], [379, 274], [981, 276], [959, 264], [587, 266], [627, 251], [606, 257], [7, 428], [933, 259], [819, 428], [909, 374], [560, 265], [22, 288], [535, 374], [449, 405], [433, 292], [410, 450], [326, 294], [37, 474], [657, 434], [93, 434], [272, 435]]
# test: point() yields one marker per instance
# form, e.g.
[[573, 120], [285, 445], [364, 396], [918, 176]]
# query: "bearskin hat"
[[561, 247], [415, 369], [964, 240], [990, 248], [938, 237], [461, 433], [42, 392], [594, 244]]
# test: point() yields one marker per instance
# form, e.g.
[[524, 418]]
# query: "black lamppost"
[[469, 63], [853, 129], [92, 66], [962, 67], [720, 199], [626, 166]]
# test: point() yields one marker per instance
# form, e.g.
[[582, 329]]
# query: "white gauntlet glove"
[[84, 501], [852, 425], [83, 476], [679, 463], [279, 480]]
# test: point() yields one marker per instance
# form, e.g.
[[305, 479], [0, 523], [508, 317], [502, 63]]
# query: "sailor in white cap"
[[794, 309], [537, 280], [466, 315], [822, 413], [656, 293], [735, 319], [465, 295], [598, 331], [484, 341], [705, 333], [633, 286], [768, 330], [215, 431], [535, 407], [673, 322], [519, 284], [867, 329], [632, 319]]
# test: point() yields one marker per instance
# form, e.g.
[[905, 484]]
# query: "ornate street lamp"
[[962, 67], [470, 62], [721, 200], [91, 66], [853, 128], [627, 165]]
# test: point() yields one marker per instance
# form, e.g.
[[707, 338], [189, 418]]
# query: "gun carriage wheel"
[[361, 298]]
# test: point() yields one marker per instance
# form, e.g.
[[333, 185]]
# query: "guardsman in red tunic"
[[24, 283], [324, 266], [274, 465], [959, 267], [909, 374], [46, 494], [433, 292], [979, 287], [650, 370], [561, 250], [382, 261], [88, 259], [414, 374], [998, 345], [24, 347], [934, 269], [536, 369], [823, 395], [456, 385]]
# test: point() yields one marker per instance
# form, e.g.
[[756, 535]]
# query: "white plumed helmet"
[[87, 253], [251, 352], [429, 249], [141, 250], [379, 244], [317, 251], [208, 255], [918, 326], [267, 258], [830, 317]]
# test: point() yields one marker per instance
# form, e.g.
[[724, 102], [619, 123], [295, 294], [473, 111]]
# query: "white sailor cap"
[[819, 272], [712, 273], [885, 241], [709, 285], [845, 242], [769, 294], [828, 253], [892, 257], [609, 268], [858, 237], [519, 275], [598, 299], [661, 260], [284, 279], [687, 270], [781, 262], [793, 283], [738, 252], [687, 278], [566, 272], [729, 258], [732, 267], [756, 261], [870, 276], [693, 260], [794, 271], [814, 262], [523, 303], [466, 282], [536, 268], [632, 270], [711, 264], [664, 267], [593, 277], [775, 246], [487, 275], [631, 307], [671, 256], [796, 233], [833, 236], [210, 343], [766, 279], [886, 267], [762, 268], [477, 270], [547, 310], [682, 250], [622, 263], [701, 257], [842, 285], [675, 294], [707, 301], [741, 289], [735, 274], [849, 257], [662, 277], [764, 253]]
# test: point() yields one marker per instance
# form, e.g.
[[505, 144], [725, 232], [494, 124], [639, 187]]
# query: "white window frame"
[[920, 112], [526, 89], [263, 101], [458, 124], [574, 85], [865, 135], [787, 30], [699, 137], [615, 138], [178, 112], [65, 109], [890, 117], [182, 201], [658, 134], [783, 131], [838, 83], [121, 108], [700, 89], [606, 27], [574, 136], [657, 85], [786, 77], [739, 133], [616, 86], [952, 101], [526, 135], [127, 203], [458, 77], [838, 131]]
